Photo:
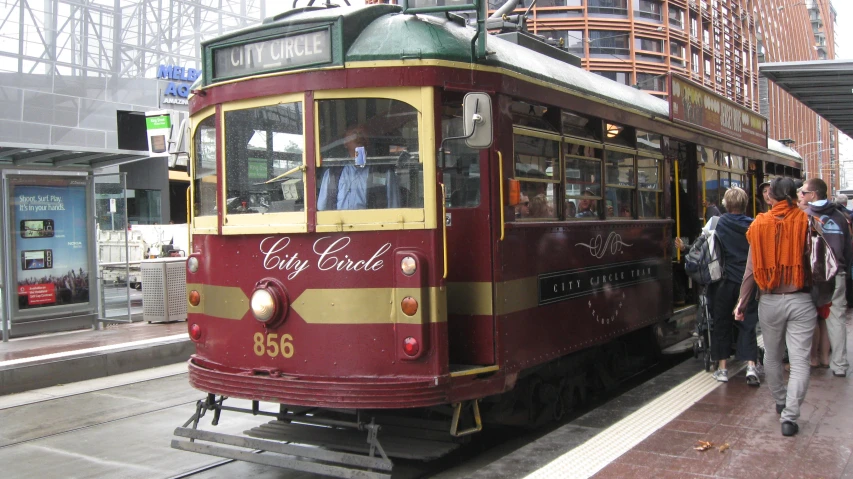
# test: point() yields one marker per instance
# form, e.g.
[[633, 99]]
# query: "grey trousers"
[[835, 326], [787, 319]]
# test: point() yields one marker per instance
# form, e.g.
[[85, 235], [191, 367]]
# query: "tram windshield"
[[261, 146], [369, 156]]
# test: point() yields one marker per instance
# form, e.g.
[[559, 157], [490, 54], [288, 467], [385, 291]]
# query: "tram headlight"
[[192, 264], [263, 305], [408, 265], [269, 302]]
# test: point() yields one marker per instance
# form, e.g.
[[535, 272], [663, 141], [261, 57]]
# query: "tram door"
[[465, 176]]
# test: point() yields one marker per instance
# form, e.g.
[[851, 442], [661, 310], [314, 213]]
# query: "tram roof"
[[825, 86], [383, 32]]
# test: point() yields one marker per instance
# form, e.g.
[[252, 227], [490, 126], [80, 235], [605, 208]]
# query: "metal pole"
[[123, 176], [97, 325], [4, 290]]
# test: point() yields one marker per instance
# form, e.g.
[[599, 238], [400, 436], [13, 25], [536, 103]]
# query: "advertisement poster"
[[51, 243]]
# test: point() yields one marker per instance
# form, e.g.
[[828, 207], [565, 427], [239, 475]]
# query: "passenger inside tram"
[[586, 206]]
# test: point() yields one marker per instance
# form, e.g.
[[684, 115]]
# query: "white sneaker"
[[752, 376], [721, 375]]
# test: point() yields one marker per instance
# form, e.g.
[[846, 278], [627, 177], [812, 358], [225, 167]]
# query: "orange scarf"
[[778, 241]]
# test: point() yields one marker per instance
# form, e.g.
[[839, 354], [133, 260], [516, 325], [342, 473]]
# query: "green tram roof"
[[383, 32]]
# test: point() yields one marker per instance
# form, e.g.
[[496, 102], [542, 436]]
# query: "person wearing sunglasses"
[[833, 226]]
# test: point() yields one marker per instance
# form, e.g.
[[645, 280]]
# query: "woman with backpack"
[[723, 294]]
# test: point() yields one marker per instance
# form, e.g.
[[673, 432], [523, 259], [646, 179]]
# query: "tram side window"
[[369, 155], [261, 146], [204, 172], [650, 189], [537, 169], [620, 181], [461, 171], [583, 182]]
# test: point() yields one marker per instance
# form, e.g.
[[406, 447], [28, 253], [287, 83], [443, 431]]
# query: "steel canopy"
[[66, 159], [825, 86]]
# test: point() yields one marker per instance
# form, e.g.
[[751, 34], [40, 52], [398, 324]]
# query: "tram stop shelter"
[[53, 201], [825, 86]]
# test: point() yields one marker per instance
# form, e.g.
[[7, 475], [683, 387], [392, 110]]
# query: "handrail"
[[501, 177], [444, 225], [754, 198], [677, 194]]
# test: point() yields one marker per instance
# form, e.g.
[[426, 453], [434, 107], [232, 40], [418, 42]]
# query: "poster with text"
[[51, 241]]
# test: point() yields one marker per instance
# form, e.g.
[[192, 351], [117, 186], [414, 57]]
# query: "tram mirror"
[[477, 113]]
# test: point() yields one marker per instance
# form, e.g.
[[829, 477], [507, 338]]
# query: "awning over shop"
[[65, 159], [824, 86]]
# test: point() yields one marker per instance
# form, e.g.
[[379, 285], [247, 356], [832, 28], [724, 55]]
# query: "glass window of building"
[[676, 17], [647, 9], [608, 7], [261, 145], [369, 155], [694, 63], [619, 77], [609, 42], [676, 49], [648, 44], [650, 82], [571, 40]]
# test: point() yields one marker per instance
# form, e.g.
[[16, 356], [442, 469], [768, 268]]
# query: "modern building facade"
[[715, 43], [71, 70]]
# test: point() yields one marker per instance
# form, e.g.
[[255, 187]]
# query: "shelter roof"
[[67, 159], [825, 86]]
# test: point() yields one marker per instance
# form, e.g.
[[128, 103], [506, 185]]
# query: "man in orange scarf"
[[786, 312]]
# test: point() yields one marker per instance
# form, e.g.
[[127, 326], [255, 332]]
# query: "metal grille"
[[164, 288]]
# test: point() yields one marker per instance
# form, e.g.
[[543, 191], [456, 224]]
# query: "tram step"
[[395, 441], [279, 454]]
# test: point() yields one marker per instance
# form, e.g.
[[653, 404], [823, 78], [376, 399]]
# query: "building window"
[[608, 7], [676, 17], [648, 9], [619, 77], [694, 27], [647, 81], [676, 49], [572, 40], [609, 42], [648, 44], [694, 63]]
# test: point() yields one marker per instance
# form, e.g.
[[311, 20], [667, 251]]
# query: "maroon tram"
[[387, 215]]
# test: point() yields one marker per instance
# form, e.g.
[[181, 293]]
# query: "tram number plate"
[[273, 345]]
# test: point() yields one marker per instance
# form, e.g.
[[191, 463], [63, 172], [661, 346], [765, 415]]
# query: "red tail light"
[[195, 332], [411, 346]]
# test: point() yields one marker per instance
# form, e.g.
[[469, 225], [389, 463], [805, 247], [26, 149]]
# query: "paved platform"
[[652, 431], [47, 360]]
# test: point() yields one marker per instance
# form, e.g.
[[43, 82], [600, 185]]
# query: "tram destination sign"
[[282, 53], [565, 285], [695, 105]]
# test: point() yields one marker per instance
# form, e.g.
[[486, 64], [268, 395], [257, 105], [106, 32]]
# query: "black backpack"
[[704, 262]]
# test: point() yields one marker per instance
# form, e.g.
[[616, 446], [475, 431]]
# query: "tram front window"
[[369, 155], [204, 171], [261, 146]]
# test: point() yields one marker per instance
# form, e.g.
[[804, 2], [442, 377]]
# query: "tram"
[[395, 212]]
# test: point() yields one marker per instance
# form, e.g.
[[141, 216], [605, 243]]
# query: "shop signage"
[[695, 105], [269, 55], [180, 79]]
